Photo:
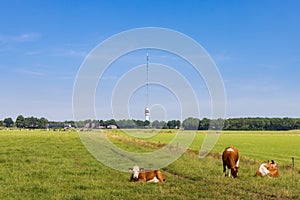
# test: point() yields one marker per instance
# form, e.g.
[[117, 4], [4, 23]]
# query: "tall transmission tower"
[[147, 111]]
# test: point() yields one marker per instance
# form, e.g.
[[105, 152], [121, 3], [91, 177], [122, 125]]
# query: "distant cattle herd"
[[230, 159]]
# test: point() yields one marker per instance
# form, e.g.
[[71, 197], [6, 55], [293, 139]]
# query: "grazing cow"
[[268, 169], [142, 175], [230, 159]]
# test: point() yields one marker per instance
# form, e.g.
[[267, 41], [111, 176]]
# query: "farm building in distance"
[[111, 127], [65, 126]]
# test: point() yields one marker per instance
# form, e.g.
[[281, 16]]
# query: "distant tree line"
[[257, 123], [30, 122], [262, 123], [187, 124]]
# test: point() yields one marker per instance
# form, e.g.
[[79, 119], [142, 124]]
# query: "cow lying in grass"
[[142, 175], [230, 158], [268, 169]]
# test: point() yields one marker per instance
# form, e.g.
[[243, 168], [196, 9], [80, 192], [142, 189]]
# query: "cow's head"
[[271, 165], [272, 168], [135, 172], [234, 171]]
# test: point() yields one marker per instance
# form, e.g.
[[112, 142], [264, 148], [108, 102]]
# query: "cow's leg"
[[154, 180], [224, 169], [229, 172]]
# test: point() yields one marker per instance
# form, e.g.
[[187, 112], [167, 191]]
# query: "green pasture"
[[55, 165], [256, 145]]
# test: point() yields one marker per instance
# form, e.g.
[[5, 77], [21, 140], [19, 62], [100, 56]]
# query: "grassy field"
[[55, 165]]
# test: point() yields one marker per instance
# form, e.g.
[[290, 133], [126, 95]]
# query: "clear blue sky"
[[255, 45]]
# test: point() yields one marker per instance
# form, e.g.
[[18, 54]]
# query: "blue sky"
[[255, 45]]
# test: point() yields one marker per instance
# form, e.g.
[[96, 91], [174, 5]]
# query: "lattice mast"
[[147, 111]]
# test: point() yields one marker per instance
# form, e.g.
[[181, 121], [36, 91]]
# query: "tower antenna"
[[147, 111]]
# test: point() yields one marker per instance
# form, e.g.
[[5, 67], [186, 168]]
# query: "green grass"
[[55, 165], [257, 145]]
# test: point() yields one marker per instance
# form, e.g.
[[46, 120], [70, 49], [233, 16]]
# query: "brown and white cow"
[[268, 169], [230, 159], [142, 175]]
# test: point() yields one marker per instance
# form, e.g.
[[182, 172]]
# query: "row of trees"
[[262, 124], [188, 124], [257, 123], [30, 122], [21, 122]]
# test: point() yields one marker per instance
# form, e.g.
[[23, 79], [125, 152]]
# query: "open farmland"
[[55, 165]]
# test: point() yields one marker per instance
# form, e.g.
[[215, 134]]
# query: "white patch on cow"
[[237, 163], [263, 170], [154, 180], [229, 172], [230, 149]]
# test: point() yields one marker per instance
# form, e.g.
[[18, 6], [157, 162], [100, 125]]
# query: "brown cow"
[[230, 159], [268, 169], [146, 176]]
